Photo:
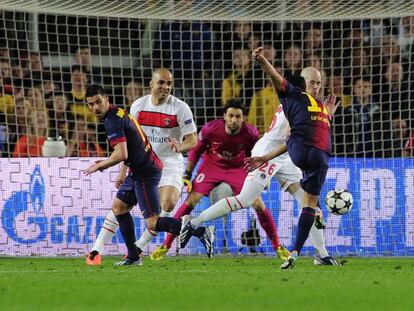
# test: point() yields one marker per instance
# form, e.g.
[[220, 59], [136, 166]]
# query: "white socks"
[[108, 230], [221, 208], [148, 235], [244, 199], [318, 241]]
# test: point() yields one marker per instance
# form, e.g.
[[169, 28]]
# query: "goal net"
[[51, 50]]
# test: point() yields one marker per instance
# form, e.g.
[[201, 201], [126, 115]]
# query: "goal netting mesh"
[[51, 50]]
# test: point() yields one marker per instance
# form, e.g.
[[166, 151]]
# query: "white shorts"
[[172, 176], [281, 168]]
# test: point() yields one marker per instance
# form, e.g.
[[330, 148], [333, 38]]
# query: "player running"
[[131, 147], [168, 123]]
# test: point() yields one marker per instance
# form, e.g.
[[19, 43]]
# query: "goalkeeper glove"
[[187, 181]]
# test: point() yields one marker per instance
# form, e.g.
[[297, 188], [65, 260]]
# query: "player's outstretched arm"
[[267, 67], [253, 163], [120, 154], [331, 104]]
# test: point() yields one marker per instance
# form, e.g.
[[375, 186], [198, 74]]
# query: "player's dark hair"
[[95, 89], [236, 104], [298, 81]]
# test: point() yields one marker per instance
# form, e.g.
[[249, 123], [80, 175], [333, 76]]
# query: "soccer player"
[[131, 146], [225, 144], [166, 120], [286, 173], [309, 143]]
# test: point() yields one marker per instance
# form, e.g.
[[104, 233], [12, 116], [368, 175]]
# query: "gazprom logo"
[[27, 218], [21, 202]]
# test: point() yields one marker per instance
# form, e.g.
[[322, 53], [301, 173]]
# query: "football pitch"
[[197, 283]]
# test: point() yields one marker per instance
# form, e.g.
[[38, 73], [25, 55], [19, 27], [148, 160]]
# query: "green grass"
[[196, 283]]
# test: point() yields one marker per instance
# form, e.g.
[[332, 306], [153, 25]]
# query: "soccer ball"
[[339, 201]]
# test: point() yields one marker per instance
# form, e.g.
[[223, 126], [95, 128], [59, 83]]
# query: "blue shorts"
[[313, 162], [144, 191]]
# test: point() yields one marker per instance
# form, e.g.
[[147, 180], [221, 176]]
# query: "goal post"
[[50, 50]]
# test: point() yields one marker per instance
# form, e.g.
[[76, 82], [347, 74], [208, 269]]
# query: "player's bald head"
[[310, 73], [161, 73], [313, 80]]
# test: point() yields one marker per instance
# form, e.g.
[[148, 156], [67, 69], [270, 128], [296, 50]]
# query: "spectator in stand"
[[3, 136], [238, 36], [390, 50], [133, 90], [35, 96], [61, 118], [83, 58], [4, 51], [400, 139], [336, 86], [264, 106], [406, 36], [187, 49], [242, 31], [239, 84], [292, 56], [376, 29], [269, 52], [81, 143], [6, 101], [32, 67], [30, 145], [76, 95], [17, 126], [359, 128], [314, 42], [395, 93], [6, 76], [48, 86], [254, 42]]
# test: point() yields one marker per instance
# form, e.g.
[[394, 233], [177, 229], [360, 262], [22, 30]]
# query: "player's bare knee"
[[119, 207], [152, 222], [258, 205], [167, 205], [309, 200]]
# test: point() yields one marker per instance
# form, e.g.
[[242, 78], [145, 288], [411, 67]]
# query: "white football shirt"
[[276, 135], [172, 119]]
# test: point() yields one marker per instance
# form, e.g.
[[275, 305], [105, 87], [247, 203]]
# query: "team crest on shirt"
[[167, 122]]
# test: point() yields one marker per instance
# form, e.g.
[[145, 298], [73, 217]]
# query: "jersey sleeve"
[[134, 109], [195, 153], [287, 89], [186, 120], [114, 129]]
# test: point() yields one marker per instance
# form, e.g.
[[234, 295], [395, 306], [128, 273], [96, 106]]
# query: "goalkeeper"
[[166, 120], [225, 144]]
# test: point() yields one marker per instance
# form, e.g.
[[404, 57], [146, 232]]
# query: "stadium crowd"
[[367, 64]]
